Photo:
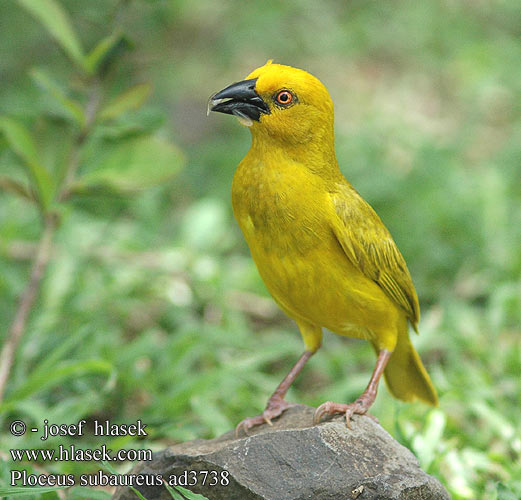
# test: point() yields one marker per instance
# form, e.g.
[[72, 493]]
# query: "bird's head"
[[286, 104]]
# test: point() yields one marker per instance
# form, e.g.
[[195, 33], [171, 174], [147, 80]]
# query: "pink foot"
[[359, 407], [274, 409]]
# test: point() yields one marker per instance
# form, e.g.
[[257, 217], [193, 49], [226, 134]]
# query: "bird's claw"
[[274, 409], [358, 407], [248, 423], [328, 408]]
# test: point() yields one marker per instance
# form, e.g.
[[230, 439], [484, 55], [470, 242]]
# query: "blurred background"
[[150, 306]]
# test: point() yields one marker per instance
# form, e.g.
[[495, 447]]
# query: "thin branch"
[[44, 252], [74, 159], [27, 300], [15, 187]]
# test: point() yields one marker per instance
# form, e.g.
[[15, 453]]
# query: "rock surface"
[[294, 460]]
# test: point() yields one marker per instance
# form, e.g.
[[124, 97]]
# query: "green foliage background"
[[151, 307]]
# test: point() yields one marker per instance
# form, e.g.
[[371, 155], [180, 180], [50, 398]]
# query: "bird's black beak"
[[239, 99]]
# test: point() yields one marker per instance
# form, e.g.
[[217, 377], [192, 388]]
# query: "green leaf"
[[113, 471], [210, 415], [101, 51], [138, 494], [132, 98], [21, 142], [135, 164], [55, 19], [173, 493], [23, 491], [180, 493], [59, 353], [73, 107], [510, 491], [81, 493], [141, 122], [108, 467], [426, 444], [59, 374], [11, 186]]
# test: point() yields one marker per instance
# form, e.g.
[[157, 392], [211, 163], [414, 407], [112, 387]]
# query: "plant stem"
[[43, 253], [27, 300], [74, 159]]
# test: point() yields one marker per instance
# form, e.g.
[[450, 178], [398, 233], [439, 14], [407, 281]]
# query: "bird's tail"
[[405, 374]]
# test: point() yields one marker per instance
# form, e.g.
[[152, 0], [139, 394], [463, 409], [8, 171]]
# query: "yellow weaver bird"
[[323, 252]]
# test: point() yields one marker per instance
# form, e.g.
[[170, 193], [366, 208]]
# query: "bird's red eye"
[[284, 97]]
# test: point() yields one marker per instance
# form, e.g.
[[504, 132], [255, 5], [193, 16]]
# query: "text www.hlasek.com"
[[67, 453]]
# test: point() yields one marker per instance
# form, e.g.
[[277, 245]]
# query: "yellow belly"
[[323, 288], [302, 263]]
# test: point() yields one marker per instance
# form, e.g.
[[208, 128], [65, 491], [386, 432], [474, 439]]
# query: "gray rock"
[[294, 460]]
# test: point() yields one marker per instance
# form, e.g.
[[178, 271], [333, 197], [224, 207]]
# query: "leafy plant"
[[151, 306], [74, 169]]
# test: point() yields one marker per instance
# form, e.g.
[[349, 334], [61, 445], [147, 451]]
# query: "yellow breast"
[[285, 217]]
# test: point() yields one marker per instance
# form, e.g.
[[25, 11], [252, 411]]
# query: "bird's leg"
[[276, 404], [364, 402]]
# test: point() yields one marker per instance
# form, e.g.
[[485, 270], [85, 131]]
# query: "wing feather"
[[370, 247]]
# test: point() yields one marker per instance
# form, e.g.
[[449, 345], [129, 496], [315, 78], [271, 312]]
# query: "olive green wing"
[[370, 247]]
